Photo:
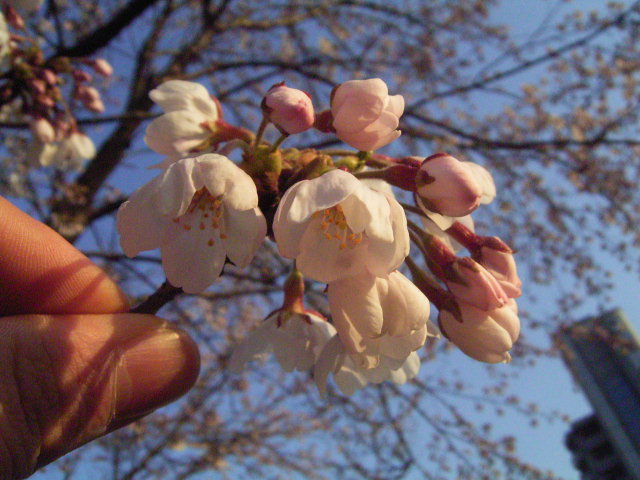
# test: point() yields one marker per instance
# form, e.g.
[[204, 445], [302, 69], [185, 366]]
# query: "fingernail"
[[154, 371]]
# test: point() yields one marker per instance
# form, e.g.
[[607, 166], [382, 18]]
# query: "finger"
[[40, 272], [69, 379]]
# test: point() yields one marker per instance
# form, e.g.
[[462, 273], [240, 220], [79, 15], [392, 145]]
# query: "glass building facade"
[[603, 355]]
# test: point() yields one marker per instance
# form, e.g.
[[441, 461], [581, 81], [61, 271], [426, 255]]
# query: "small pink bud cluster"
[[478, 311], [38, 82]]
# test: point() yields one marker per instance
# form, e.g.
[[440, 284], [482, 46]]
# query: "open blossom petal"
[[177, 95], [190, 262], [350, 377], [177, 212], [176, 132], [296, 340], [335, 226], [190, 114], [485, 336], [376, 315]]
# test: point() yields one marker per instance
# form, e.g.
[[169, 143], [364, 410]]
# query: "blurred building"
[[603, 355]]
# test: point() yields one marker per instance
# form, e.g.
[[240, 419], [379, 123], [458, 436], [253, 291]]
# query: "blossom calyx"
[[289, 109], [364, 115]]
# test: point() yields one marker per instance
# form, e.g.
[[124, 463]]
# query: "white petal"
[[288, 234], [405, 307], [290, 351], [176, 132], [256, 344], [139, 224], [182, 95], [385, 257], [368, 210], [223, 177], [356, 311], [176, 188], [409, 370], [401, 346], [245, 232], [190, 262], [329, 360], [321, 259], [395, 105], [349, 380], [323, 192], [357, 103]]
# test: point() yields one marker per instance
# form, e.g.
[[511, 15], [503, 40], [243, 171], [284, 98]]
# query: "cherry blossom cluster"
[[335, 215], [45, 92]]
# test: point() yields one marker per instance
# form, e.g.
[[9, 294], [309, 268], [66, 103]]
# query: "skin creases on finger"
[[40, 272]]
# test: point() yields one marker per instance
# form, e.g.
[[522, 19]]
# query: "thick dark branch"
[[101, 37]]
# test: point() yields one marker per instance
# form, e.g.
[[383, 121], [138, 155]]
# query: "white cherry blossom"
[[335, 226], [350, 376], [199, 211], [188, 122], [296, 340], [378, 317]]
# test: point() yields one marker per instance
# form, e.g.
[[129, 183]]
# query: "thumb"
[[68, 379]]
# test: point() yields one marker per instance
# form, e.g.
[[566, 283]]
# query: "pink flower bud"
[[501, 264], [485, 336], [493, 254], [102, 67], [49, 77], [13, 18], [38, 86], [42, 130], [365, 116], [81, 76], [447, 186], [289, 109], [471, 283], [90, 98]]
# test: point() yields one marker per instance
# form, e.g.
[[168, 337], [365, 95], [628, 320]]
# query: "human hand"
[[74, 365]]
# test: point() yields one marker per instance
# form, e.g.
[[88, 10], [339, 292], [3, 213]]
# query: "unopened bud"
[[90, 98], [49, 76], [102, 67], [14, 18], [447, 186], [473, 284], [81, 76], [289, 109]]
